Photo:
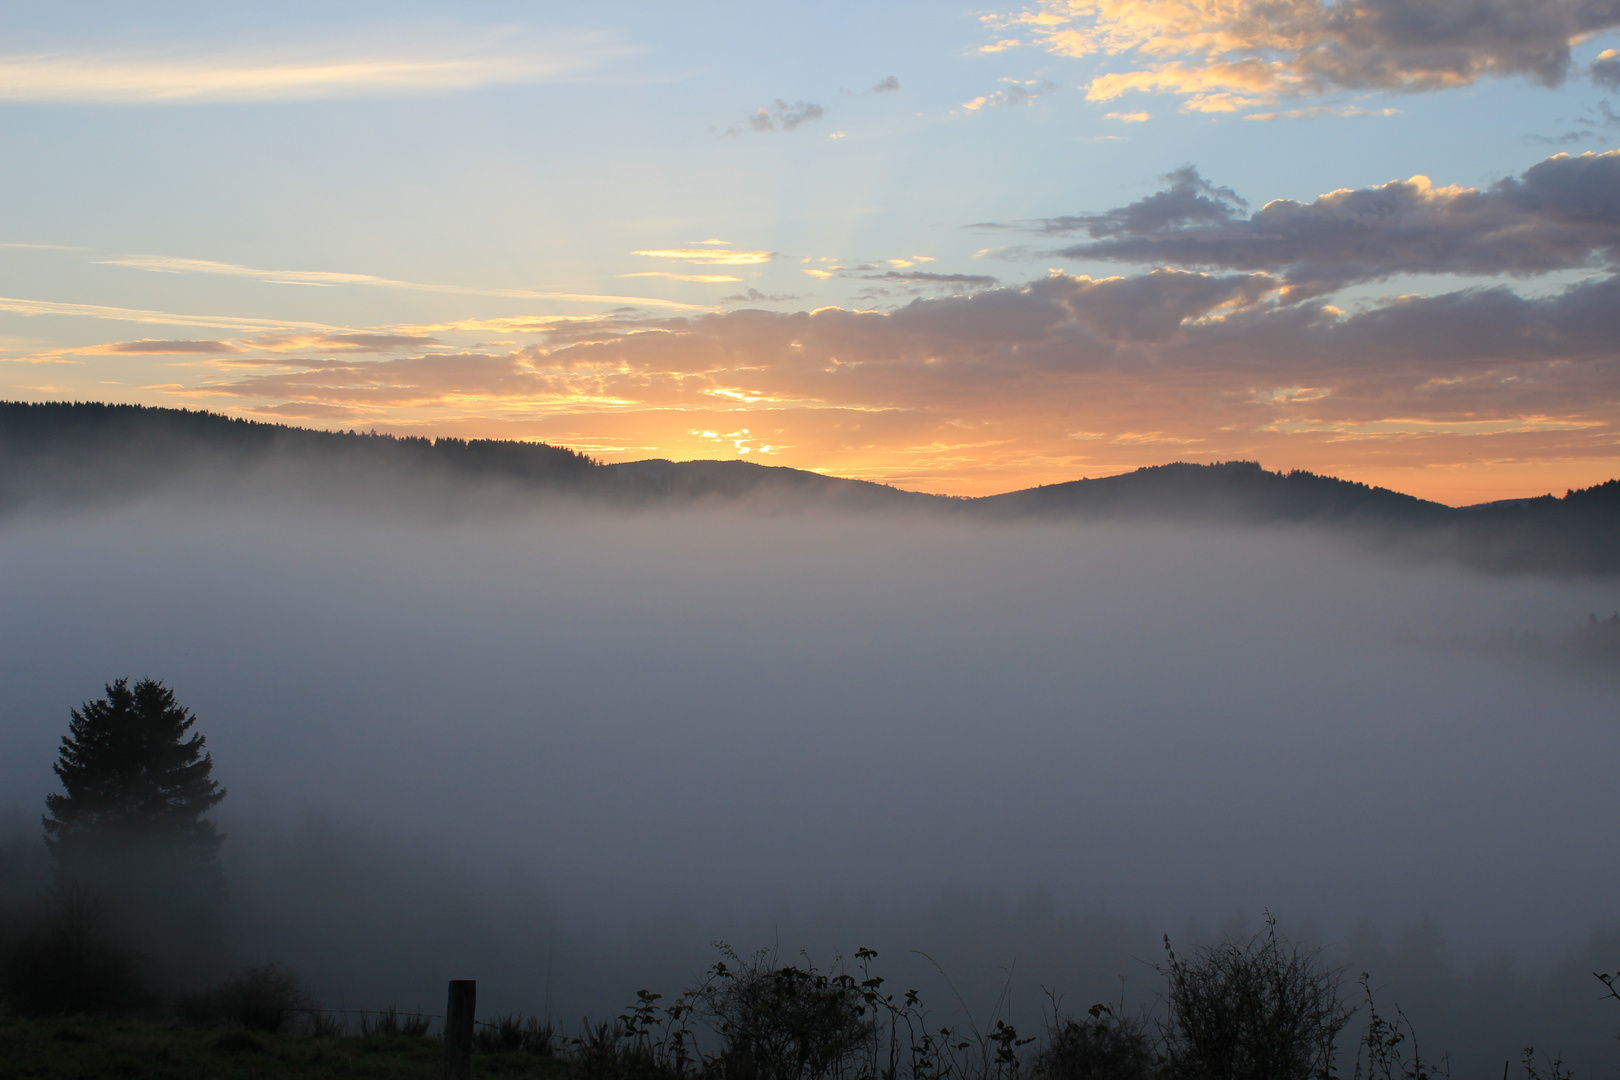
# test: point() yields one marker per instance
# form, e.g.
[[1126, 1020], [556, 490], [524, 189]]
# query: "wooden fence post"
[[458, 1029]]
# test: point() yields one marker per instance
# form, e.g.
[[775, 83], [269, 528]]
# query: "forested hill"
[[63, 453], [68, 454], [1233, 490], [132, 439]]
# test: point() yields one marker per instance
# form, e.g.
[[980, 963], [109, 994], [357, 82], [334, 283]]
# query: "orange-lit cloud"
[[1062, 377], [1225, 54], [154, 347]]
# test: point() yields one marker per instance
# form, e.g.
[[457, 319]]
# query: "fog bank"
[[572, 746]]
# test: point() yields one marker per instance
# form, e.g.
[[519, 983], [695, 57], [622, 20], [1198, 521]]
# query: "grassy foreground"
[[80, 1049]]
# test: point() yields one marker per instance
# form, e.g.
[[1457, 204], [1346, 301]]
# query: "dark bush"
[[265, 998], [1264, 1009], [1108, 1046], [65, 961], [785, 1022]]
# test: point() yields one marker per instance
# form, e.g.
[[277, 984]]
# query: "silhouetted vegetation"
[[67, 959], [131, 776], [138, 882], [77, 454], [1108, 1045], [1265, 1009], [265, 997]]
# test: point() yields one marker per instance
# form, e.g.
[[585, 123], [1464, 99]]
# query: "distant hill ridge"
[[56, 452]]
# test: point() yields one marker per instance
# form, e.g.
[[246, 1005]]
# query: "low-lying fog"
[[562, 753]]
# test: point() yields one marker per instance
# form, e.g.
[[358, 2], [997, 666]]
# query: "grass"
[[79, 1048]]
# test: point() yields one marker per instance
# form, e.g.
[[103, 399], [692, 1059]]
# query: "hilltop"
[[66, 454]]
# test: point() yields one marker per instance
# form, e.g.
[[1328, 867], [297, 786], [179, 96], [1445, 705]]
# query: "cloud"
[[1225, 54], [704, 278], [166, 348], [1189, 200], [969, 281], [1315, 111], [520, 324], [754, 296], [1130, 117], [445, 59], [883, 86], [340, 343], [1605, 70], [1014, 93], [1562, 213], [20, 306], [167, 264], [717, 256], [1199, 359], [780, 116]]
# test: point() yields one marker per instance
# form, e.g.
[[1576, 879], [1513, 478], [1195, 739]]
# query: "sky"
[[959, 249]]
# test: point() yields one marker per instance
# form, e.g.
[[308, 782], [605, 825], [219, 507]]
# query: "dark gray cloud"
[[1562, 213], [754, 296], [885, 85], [1421, 44], [971, 281], [1189, 200], [1246, 52]]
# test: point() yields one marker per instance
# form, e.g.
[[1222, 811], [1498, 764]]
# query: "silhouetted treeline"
[[70, 453], [57, 451]]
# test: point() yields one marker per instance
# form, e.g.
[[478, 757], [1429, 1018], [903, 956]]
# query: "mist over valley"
[[563, 743]]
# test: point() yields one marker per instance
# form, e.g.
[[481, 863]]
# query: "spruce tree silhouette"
[[130, 823], [131, 775]]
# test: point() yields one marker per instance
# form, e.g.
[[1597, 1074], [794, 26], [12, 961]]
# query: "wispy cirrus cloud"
[[1314, 111], [166, 264], [18, 306], [714, 256], [386, 62], [1222, 55], [701, 278]]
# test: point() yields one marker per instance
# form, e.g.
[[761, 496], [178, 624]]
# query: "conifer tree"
[[130, 828], [132, 777]]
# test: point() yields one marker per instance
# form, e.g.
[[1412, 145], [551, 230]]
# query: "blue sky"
[[436, 219]]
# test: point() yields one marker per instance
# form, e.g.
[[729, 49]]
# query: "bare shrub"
[[1388, 1050], [782, 1021], [1264, 1009]]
